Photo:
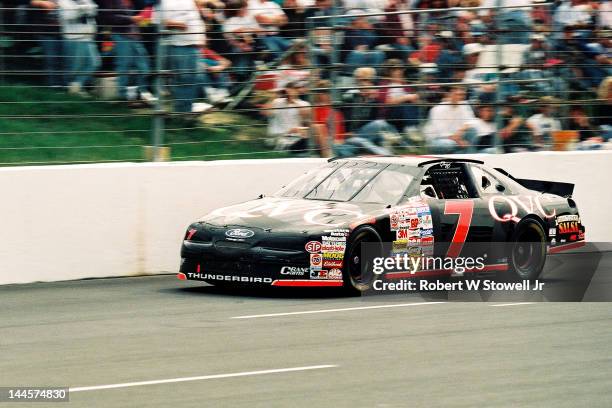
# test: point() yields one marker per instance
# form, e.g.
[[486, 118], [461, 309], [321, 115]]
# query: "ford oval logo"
[[239, 233]]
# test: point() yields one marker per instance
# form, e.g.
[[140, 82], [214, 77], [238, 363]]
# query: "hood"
[[289, 214]]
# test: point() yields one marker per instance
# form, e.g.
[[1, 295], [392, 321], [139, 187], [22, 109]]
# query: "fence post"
[[2, 66], [333, 75], [158, 122], [498, 90], [311, 84]]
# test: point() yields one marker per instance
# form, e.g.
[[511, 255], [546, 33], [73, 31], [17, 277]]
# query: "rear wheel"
[[358, 274], [528, 250]]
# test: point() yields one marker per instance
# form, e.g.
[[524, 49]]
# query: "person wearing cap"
[[535, 56], [361, 110], [533, 67], [474, 76], [450, 127], [544, 123], [450, 56], [288, 117], [359, 42], [430, 91]]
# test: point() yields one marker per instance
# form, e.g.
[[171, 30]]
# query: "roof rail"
[[452, 160]]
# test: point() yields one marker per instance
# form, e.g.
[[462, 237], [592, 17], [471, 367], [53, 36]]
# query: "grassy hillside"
[[40, 126]]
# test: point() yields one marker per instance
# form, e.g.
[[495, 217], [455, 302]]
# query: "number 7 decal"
[[465, 210]]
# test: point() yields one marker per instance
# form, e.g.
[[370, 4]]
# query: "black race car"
[[310, 233]]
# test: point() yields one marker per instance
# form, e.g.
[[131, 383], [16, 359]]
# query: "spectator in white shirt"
[[240, 30], [288, 118], [271, 18], [544, 123], [182, 44], [450, 128], [78, 23], [486, 128]]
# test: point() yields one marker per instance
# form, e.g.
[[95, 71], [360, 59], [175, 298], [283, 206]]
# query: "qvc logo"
[[313, 247]]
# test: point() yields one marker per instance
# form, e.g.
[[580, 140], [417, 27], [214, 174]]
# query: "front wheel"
[[528, 250], [358, 274]]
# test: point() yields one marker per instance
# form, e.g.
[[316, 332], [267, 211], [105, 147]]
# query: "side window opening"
[[485, 182], [448, 181]]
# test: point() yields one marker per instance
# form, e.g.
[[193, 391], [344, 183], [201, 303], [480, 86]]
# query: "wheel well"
[[360, 227], [537, 219]]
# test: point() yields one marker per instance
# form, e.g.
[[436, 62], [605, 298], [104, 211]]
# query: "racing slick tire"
[[357, 272], [527, 250]]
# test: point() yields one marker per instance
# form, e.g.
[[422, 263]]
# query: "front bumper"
[[239, 263]]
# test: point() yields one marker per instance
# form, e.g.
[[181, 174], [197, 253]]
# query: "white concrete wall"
[[82, 221]]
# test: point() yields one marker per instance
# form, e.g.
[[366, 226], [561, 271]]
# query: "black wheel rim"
[[358, 267], [527, 252]]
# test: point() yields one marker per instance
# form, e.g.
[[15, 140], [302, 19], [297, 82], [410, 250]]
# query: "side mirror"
[[485, 183], [500, 188]]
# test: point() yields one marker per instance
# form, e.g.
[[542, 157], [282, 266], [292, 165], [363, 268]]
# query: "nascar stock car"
[[310, 233]]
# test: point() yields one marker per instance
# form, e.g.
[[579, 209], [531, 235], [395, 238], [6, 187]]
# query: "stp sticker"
[[316, 260], [313, 247]]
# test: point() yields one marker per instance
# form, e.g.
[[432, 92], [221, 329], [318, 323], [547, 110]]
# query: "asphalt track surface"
[[297, 348]]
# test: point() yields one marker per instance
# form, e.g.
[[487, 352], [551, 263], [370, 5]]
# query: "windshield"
[[307, 181], [357, 181]]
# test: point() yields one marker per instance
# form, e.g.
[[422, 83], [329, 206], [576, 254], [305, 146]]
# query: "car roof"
[[409, 160]]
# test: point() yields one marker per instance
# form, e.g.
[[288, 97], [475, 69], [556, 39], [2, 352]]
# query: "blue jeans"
[[183, 62], [403, 115], [367, 140], [445, 145], [516, 27], [53, 50], [219, 80], [606, 134], [372, 131], [83, 60], [276, 45], [130, 54], [242, 63]]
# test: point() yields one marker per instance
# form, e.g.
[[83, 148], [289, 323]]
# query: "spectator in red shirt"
[[328, 124], [428, 52], [330, 131]]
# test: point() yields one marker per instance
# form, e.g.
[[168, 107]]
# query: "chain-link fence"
[[137, 80]]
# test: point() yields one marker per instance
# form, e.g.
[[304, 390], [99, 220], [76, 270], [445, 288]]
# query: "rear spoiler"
[[549, 187]]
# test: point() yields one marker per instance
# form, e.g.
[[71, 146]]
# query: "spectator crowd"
[[350, 77]]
